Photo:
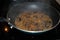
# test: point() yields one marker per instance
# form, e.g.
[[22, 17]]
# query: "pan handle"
[[11, 26], [3, 20]]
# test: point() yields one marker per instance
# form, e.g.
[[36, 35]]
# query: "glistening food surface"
[[33, 21]]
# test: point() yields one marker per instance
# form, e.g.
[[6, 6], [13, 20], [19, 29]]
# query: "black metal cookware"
[[33, 6]]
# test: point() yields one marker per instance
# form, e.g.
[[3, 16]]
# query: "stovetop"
[[14, 34]]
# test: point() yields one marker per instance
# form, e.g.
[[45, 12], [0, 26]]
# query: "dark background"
[[14, 34]]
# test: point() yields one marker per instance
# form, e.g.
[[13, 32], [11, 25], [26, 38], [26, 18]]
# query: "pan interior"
[[33, 21]]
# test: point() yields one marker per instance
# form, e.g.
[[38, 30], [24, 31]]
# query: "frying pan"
[[33, 6]]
